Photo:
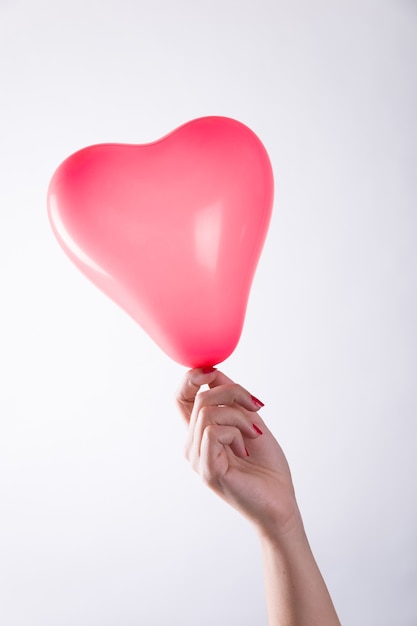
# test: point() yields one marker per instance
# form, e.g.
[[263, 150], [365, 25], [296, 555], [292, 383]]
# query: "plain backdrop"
[[102, 522]]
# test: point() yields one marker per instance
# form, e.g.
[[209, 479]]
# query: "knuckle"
[[235, 391], [205, 414], [202, 397], [210, 433], [239, 390]]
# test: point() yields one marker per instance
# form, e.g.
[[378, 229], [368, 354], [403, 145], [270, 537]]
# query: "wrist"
[[282, 528]]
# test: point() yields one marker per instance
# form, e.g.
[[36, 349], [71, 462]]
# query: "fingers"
[[224, 415], [217, 445], [220, 379], [221, 417], [228, 394], [225, 404]]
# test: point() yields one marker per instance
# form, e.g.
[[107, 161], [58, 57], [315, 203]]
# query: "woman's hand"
[[229, 445], [234, 452]]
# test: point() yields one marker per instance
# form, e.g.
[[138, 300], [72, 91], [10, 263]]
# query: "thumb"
[[190, 387]]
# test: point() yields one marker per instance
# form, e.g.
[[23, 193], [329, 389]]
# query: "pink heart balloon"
[[171, 230]]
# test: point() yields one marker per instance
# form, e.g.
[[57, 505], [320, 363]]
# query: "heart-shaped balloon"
[[171, 230]]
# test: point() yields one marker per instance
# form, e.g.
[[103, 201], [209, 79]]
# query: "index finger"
[[220, 379]]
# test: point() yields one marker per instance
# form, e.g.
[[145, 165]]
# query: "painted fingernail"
[[208, 370], [257, 429], [257, 402], [247, 453]]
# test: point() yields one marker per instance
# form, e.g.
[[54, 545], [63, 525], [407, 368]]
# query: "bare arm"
[[236, 455]]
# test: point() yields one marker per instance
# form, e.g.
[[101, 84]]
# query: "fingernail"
[[247, 453], [257, 402], [208, 370], [257, 429]]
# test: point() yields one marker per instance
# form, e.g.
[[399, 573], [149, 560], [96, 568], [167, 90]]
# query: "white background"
[[102, 522]]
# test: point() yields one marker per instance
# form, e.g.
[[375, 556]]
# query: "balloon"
[[171, 230]]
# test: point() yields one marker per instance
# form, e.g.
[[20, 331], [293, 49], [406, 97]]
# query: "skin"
[[231, 448]]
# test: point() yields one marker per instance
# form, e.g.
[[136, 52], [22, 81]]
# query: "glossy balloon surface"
[[171, 230]]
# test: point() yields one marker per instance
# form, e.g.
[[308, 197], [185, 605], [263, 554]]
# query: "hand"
[[234, 452]]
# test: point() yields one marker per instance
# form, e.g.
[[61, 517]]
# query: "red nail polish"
[[208, 370], [257, 429], [247, 453], [257, 402]]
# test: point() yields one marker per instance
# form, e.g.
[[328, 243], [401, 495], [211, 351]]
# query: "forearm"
[[296, 593]]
